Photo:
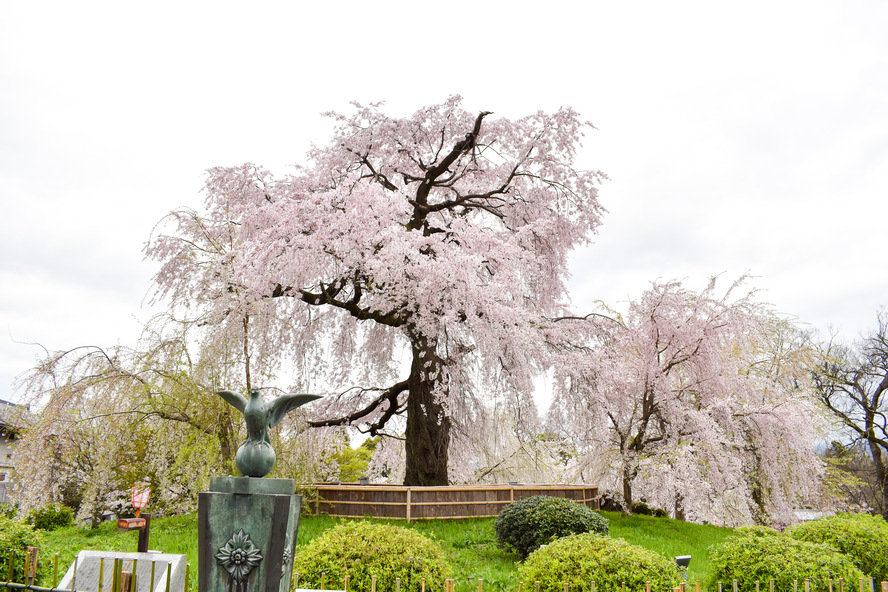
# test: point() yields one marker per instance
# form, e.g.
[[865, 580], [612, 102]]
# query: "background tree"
[[851, 480], [110, 417], [696, 400], [852, 381], [441, 238]]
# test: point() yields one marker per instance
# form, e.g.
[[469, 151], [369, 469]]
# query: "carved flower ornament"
[[239, 556]]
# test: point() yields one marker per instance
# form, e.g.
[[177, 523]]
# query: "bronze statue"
[[255, 457]]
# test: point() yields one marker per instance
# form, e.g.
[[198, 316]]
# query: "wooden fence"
[[452, 501]]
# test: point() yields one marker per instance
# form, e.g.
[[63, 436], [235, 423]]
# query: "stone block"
[[89, 566]]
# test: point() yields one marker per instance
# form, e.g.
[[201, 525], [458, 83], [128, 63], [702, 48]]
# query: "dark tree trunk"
[[428, 427], [627, 490]]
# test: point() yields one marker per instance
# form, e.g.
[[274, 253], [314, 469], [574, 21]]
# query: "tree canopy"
[[698, 400], [852, 381], [441, 237]]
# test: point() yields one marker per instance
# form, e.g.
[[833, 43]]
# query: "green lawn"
[[471, 544]]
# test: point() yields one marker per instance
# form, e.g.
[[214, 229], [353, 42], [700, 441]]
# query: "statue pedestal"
[[246, 534]]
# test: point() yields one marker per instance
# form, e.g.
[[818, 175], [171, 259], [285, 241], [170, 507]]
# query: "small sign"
[[131, 523], [141, 493]]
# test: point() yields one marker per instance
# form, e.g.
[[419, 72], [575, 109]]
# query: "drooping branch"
[[389, 395]]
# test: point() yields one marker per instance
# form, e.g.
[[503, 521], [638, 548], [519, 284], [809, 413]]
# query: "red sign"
[[141, 493]]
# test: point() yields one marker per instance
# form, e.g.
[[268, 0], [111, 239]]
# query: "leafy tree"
[[698, 400], [443, 236], [353, 462], [852, 381], [851, 478]]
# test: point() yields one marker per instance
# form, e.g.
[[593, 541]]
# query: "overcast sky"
[[741, 137]]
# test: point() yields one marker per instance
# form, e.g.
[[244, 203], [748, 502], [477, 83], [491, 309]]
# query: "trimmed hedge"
[[362, 549], [581, 559], [15, 537], [528, 523], [760, 554], [862, 537]]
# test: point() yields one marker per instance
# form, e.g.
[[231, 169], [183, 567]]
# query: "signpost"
[[141, 492]]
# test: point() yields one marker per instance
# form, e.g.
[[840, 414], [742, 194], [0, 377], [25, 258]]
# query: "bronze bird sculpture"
[[256, 457]]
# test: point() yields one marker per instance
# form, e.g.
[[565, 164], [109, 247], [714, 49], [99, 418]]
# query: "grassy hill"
[[470, 543]]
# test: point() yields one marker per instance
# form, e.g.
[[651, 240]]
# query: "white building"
[[10, 431]]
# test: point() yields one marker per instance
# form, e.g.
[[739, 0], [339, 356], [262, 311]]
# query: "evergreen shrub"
[[581, 559], [362, 549], [15, 538], [642, 509], [526, 524], [761, 554], [862, 537], [50, 517]]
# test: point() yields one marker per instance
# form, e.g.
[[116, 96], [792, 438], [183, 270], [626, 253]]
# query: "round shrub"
[[642, 509], [50, 517], [862, 537], [760, 554], [362, 550], [15, 538], [528, 523], [581, 559]]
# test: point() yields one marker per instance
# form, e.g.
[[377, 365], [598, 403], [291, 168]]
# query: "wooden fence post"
[[31, 565], [409, 492]]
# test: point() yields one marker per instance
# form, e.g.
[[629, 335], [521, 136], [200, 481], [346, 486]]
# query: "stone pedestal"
[[246, 534]]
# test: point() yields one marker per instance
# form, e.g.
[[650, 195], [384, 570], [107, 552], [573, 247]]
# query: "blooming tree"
[[699, 401], [440, 239], [106, 418]]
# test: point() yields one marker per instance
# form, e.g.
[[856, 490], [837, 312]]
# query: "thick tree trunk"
[[627, 491], [428, 427]]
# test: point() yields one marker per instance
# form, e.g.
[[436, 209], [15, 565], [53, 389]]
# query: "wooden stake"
[[373, 584], [101, 572]]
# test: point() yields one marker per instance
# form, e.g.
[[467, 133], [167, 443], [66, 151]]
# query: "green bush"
[[760, 554], [642, 509], [50, 517], [528, 523], [15, 538], [362, 549], [581, 559], [9, 510], [661, 513], [862, 537]]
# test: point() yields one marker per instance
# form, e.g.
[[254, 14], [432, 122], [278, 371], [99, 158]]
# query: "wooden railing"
[[452, 501]]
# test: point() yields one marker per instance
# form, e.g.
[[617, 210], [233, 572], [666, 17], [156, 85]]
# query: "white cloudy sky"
[[738, 137]]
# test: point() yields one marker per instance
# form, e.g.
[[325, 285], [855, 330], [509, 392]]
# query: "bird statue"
[[255, 457]]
